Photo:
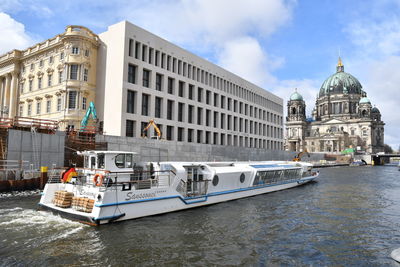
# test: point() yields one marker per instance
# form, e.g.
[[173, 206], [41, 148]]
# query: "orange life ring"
[[98, 179]]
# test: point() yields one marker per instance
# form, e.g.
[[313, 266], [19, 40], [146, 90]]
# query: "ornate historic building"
[[342, 118], [55, 79]]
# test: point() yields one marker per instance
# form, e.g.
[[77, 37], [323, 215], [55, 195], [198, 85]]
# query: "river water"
[[350, 217]]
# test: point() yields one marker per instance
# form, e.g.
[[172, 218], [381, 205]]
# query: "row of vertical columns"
[[8, 95]]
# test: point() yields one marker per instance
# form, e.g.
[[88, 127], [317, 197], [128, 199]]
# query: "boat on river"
[[112, 186]]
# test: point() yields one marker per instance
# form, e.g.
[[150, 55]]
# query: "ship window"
[[92, 162], [120, 161], [100, 160], [86, 162], [128, 161], [215, 180], [242, 178]]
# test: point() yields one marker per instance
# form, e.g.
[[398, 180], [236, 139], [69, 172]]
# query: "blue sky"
[[277, 44]]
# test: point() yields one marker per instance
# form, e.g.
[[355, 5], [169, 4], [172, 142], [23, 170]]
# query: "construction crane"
[[151, 122], [298, 156], [90, 111]]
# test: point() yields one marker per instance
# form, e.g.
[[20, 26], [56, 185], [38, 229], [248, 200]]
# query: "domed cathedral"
[[343, 117]]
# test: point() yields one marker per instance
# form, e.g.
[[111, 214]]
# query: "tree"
[[387, 149]]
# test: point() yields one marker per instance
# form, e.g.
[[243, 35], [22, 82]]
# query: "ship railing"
[[139, 179], [192, 188]]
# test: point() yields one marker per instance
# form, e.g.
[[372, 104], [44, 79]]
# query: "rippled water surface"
[[350, 217]]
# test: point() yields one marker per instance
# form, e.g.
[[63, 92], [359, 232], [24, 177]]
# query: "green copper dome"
[[365, 100], [341, 83], [375, 110], [296, 96]]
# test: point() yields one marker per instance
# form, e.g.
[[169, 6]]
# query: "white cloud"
[[13, 34], [377, 61], [229, 30], [245, 57]]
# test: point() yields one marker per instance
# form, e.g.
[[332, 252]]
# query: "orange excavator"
[[298, 156], [152, 123]]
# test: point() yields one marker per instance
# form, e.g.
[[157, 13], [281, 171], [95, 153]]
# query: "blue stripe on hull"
[[204, 198]]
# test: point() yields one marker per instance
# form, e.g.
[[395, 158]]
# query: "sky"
[[279, 45]]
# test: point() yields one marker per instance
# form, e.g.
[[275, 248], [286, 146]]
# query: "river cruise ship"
[[112, 186]]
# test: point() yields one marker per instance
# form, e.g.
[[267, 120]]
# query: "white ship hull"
[[188, 185]]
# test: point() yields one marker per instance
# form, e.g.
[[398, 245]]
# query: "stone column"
[[13, 96], [6, 101], [1, 95]]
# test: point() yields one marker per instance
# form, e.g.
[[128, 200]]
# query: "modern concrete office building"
[[134, 76], [54, 79], [141, 76]]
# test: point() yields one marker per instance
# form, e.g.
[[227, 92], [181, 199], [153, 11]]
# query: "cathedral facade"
[[343, 117]]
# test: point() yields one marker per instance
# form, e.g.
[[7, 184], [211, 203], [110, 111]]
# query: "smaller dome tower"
[[364, 108], [375, 114], [296, 122], [296, 107]]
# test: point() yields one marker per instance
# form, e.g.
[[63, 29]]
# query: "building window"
[[59, 104], [130, 128], [84, 103], [137, 48], [39, 82], [75, 50], [21, 88], [158, 107], [60, 77], [51, 59], [146, 78], [215, 119], [169, 132], [199, 136], [143, 126], [199, 115], [49, 80], [181, 108], [199, 94], [181, 89], [72, 99], [48, 106], [86, 52], [130, 105], [180, 134], [191, 89], [21, 110], [159, 82], [145, 105], [29, 109], [32, 66], [41, 63], [208, 115], [190, 113], [190, 135], [73, 72], [215, 100], [171, 82], [208, 96], [170, 109], [222, 101], [38, 107], [61, 55], [131, 73], [85, 75], [130, 47]]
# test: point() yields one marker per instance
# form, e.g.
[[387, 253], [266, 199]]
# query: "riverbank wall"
[[161, 150]]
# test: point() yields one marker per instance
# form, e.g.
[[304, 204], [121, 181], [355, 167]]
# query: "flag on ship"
[[68, 174]]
